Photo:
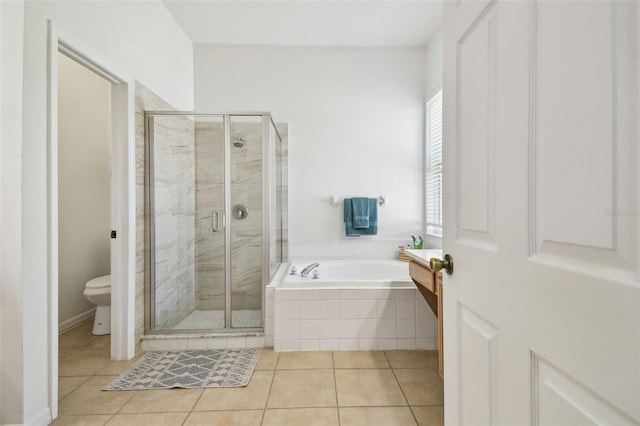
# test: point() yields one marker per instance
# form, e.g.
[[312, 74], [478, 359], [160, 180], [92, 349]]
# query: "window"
[[434, 165]]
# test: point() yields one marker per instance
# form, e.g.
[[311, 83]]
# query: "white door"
[[541, 118]]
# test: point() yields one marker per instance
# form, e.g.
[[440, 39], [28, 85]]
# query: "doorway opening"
[[120, 206], [84, 196]]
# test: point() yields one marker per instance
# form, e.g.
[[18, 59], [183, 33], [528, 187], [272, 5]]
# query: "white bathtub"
[[353, 305], [345, 274]]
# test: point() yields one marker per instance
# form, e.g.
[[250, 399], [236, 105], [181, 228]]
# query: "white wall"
[[433, 64], [11, 385], [84, 173], [141, 39], [356, 120]]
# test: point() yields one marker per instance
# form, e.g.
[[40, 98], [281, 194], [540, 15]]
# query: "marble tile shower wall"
[[146, 100], [246, 234], [209, 253], [175, 208]]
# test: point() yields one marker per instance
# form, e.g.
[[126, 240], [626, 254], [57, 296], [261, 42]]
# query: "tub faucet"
[[305, 271]]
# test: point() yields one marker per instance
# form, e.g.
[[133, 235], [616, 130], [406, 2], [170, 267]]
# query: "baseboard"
[[76, 320], [43, 417]]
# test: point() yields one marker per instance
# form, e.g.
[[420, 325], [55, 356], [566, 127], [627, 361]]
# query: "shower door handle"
[[215, 221]]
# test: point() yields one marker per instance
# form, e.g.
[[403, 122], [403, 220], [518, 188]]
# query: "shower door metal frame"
[[226, 222], [267, 120], [266, 200]]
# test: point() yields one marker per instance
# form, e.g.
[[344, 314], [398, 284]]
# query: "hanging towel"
[[360, 211], [373, 219]]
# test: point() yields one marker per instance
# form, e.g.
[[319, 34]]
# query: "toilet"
[[98, 292]]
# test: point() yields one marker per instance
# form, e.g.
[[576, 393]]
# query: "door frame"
[[123, 199]]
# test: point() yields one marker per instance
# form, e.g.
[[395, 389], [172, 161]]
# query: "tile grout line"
[[126, 402], [335, 386], [273, 378], [401, 390], [193, 406]]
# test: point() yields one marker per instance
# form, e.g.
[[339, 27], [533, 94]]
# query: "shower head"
[[238, 142]]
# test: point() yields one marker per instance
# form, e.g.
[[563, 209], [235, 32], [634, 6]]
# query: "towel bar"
[[334, 201]]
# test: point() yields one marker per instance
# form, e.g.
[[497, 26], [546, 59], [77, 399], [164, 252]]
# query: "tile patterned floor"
[[369, 388], [215, 319]]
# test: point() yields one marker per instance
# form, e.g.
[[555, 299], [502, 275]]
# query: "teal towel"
[[373, 219], [360, 211]]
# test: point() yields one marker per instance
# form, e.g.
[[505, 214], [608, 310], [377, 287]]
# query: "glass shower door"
[[171, 170], [210, 249], [186, 194]]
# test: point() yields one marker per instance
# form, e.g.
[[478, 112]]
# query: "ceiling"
[[309, 22]]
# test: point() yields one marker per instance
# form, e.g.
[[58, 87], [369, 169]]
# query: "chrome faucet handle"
[[306, 270], [293, 271], [315, 274]]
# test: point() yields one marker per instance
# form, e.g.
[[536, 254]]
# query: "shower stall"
[[215, 219]]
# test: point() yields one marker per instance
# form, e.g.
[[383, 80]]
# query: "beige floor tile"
[[297, 387], [87, 325], [82, 362], [94, 420], [73, 341], [429, 416], [84, 351], [156, 419], [99, 342], [360, 359], [253, 396], [162, 401], [302, 388], [304, 360], [67, 384], [115, 368], [421, 386], [89, 398], [77, 337], [225, 418], [368, 387], [268, 359], [301, 416], [376, 416], [413, 359]]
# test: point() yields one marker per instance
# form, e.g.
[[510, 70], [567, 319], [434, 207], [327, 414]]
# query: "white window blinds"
[[434, 165]]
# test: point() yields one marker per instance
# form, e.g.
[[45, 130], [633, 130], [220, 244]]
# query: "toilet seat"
[[102, 282]]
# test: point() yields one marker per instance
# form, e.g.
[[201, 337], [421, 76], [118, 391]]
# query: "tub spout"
[[305, 271]]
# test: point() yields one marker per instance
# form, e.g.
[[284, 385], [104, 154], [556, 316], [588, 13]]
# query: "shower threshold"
[[244, 318]]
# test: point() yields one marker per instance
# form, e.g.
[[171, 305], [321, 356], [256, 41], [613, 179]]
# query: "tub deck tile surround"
[[283, 391], [348, 319]]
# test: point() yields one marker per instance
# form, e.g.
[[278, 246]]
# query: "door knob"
[[436, 264]]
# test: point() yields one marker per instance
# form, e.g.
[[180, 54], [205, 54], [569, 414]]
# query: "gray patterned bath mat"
[[207, 368]]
